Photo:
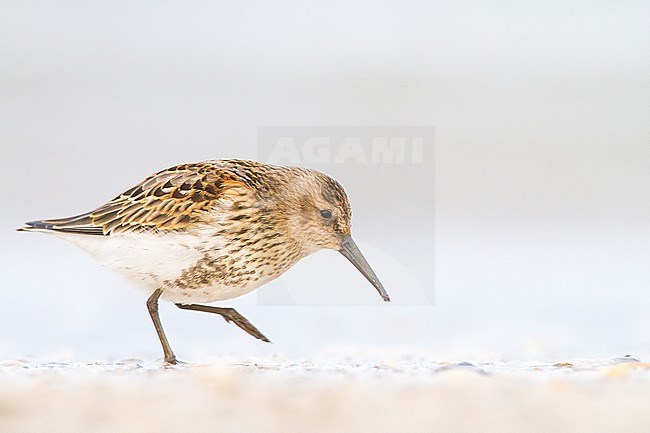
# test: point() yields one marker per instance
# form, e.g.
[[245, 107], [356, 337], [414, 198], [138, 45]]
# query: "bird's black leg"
[[152, 306], [230, 315]]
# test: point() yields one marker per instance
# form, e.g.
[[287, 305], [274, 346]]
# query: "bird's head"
[[319, 217]]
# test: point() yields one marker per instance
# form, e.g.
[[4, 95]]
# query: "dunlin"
[[214, 230]]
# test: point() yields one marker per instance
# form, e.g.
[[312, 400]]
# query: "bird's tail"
[[80, 224]]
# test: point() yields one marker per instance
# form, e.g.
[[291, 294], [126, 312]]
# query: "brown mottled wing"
[[173, 199]]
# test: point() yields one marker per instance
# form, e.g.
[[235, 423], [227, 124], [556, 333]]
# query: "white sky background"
[[542, 165]]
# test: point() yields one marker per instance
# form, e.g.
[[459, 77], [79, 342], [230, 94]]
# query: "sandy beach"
[[282, 395]]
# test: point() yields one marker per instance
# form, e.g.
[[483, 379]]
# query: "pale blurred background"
[[542, 182]]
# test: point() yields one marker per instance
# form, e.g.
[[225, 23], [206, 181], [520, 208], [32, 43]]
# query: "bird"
[[211, 231]]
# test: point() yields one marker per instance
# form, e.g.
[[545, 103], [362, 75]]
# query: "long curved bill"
[[350, 250]]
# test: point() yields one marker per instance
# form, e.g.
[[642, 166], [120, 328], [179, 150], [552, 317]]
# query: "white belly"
[[154, 261]]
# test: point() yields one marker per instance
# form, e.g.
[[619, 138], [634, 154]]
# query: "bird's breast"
[[234, 270]]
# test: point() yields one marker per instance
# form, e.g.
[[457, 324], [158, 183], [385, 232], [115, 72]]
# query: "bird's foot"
[[232, 316]]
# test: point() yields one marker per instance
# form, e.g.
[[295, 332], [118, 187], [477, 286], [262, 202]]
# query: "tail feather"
[[80, 224]]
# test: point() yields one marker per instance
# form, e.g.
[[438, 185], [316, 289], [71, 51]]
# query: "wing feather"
[[172, 199]]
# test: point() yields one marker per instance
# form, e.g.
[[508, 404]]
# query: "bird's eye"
[[326, 214]]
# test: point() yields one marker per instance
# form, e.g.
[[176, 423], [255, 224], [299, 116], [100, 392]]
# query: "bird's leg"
[[152, 306], [230, 315]]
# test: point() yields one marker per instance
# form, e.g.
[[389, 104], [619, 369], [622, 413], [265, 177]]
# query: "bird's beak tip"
[[350, 250]]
